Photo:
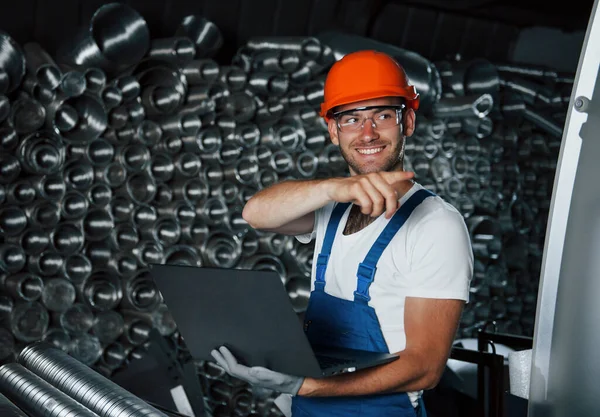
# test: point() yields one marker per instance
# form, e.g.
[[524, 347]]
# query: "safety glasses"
[[381, 117]]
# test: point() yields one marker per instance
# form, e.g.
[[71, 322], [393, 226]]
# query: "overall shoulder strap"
[[323, 258], [366, 269]]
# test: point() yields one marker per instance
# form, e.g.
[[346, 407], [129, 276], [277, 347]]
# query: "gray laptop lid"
[[247, 311]]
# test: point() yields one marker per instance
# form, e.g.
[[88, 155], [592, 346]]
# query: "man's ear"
[[333, 131], [409, 122]]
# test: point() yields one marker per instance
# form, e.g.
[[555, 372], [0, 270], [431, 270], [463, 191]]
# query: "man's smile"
[[370, 151]]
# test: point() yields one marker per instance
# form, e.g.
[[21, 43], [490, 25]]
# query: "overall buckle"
[[322, 259], [366, 272], [365, 275]]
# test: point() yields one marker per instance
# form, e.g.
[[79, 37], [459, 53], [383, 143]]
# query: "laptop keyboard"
[[330, 362]]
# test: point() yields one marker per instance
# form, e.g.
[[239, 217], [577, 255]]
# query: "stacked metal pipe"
[[123, 150], [48, 382], [499, 170]]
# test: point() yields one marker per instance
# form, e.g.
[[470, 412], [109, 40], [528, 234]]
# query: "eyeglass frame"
[[398, 107]]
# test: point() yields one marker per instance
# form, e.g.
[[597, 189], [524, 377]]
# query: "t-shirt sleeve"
[[307, 237], [442, 257]]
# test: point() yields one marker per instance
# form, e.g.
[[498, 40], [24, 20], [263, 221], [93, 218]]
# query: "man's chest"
[[357, 221]]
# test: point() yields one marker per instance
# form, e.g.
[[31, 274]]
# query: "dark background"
[[528, 31], [437, 29]]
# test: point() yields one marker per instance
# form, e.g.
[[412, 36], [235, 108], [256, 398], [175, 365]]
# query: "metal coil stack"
[[497, 166], [48, 382], [123, 150]]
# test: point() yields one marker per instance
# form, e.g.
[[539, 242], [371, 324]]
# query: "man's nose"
[[368, 130]]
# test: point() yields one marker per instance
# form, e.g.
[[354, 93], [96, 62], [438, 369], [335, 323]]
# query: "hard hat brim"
[[409, 94]]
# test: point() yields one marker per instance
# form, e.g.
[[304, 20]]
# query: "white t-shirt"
[[430, 256]]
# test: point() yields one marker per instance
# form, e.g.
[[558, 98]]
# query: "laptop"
[[250, 313]]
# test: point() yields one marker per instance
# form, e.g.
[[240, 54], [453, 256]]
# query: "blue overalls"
[[333, 321]]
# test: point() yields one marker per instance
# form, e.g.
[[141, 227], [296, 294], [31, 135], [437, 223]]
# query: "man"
[[402, 290]]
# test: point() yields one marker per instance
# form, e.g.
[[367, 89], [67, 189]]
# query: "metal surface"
[[116, 37], [462, 107], [72, 83], [41, 65], [309, 48], [205, 34], [36, 396], [29, 320], [82, 384], [12, 64], [560, 376], [178, 49]]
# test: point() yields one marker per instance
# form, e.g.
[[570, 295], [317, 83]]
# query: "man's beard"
[[392, 163]]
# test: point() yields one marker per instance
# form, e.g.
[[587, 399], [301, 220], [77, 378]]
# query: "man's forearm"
[[409, 373], [285, 202]]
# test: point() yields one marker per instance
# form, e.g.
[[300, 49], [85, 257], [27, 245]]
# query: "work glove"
[[257, 375], [284, 403]]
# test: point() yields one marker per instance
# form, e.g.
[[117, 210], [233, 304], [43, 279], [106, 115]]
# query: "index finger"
[[398, 176], [220, 360], [228, 356]]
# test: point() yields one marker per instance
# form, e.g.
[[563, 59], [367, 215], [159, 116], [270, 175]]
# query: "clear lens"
[[380, 117]]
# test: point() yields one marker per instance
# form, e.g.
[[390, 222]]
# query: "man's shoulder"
[[436, 209], [436, 220]]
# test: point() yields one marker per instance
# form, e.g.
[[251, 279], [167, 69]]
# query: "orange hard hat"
[[364, 75]]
